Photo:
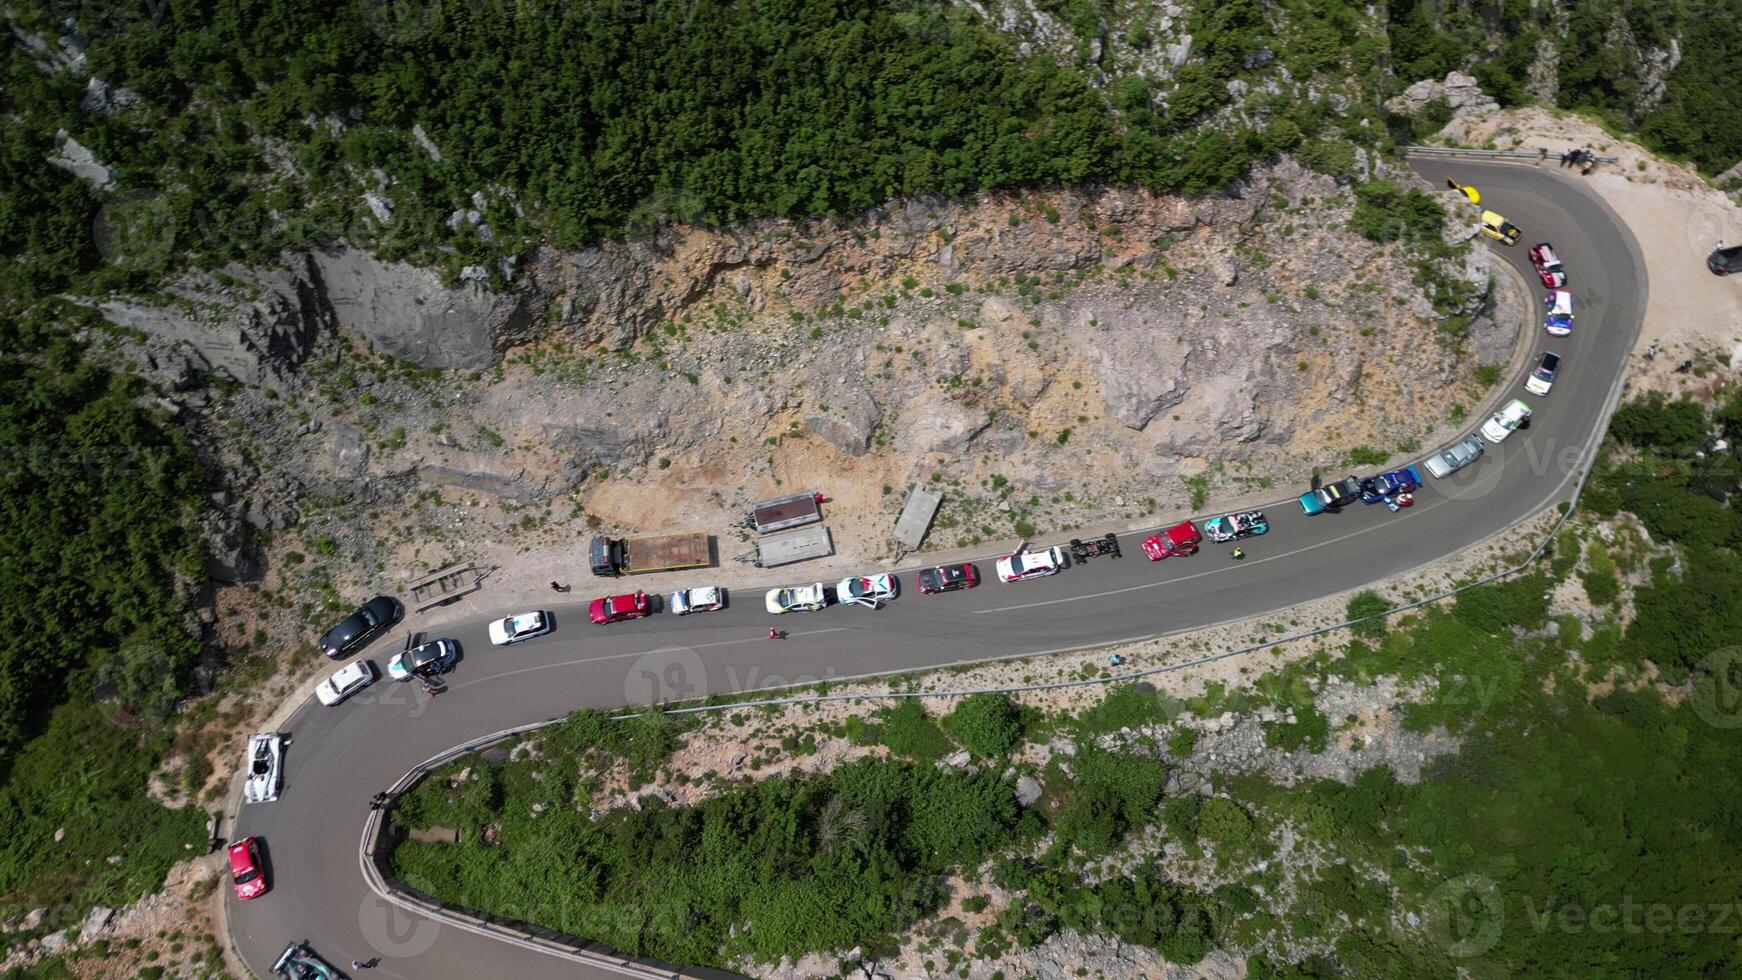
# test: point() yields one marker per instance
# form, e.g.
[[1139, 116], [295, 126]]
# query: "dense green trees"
[[95, 500]]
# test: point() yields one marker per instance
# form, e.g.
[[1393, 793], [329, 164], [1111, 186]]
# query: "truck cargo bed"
[[666, 552], [781, 513], [783, 549]]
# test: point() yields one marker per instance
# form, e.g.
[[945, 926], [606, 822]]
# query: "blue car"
[[1331, 496], [1558, 320], [1377, 489]]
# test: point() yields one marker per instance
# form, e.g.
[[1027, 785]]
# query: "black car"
[[1725, 260], [356, 630], [948, 578]]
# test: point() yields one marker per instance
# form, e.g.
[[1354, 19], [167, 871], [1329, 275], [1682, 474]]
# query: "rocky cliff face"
[[1049, 358]]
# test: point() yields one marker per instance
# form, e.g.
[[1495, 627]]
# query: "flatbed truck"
[[655, 553]]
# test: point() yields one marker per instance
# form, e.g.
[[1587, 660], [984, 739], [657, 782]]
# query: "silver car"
[[1454, 457]]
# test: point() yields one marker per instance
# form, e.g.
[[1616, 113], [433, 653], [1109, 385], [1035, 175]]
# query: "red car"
[[245, 871], [948, 578], [616, 608], [1548, 266], [1181, 539]]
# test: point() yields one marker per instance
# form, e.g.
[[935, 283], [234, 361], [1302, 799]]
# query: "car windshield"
[[247, 876], [858, 587], [1016, 565]]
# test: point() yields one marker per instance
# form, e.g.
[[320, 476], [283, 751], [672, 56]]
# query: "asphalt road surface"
[[341, 756]]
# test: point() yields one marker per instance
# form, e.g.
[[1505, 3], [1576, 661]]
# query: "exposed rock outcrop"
[[254, 324], [407, 313], [1459, 91]]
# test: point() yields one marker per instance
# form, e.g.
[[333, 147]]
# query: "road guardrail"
[[1538, 154]]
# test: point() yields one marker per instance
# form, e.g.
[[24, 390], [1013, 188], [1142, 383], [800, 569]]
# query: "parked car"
[[1331, 496], [797, 598], [1228, 527], [1031, 564], [1723, 260], [1558, 320], [947, 578], [349, 679], [1542, 376], [871, 591], [1512, 415], [246, 874], [1454, 457], [1387, 486], [265, 768], [1548, 266], [520, 626], [617, 608], [686, 601], [300, 962], [1498, 228], [1181, 539], [356, 630], [434, 657]]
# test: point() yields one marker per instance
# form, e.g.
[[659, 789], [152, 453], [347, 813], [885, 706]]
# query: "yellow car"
[[1499, 229]]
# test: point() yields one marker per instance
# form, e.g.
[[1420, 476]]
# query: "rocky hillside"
[[1051, 359]]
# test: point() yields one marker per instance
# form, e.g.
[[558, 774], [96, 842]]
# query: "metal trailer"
[[792, 510], [446, 585], [916, 517], [662, 553], [784, 549]]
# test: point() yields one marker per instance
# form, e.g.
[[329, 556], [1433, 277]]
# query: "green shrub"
[[1384, 214], [1675, 428], [908, 731], [986, 725], [1363, 605], [1500, 607], [1225, 823], [1110, 794]]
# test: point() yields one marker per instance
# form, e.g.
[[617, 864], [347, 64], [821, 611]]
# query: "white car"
[[1542, 376], [265, 768], [348, 681], [688, 601], [1031, 564], [871, 591], [523, 626], [1513, 415], [798, 598]]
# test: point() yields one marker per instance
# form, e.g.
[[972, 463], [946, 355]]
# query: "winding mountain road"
[[340, 756]]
